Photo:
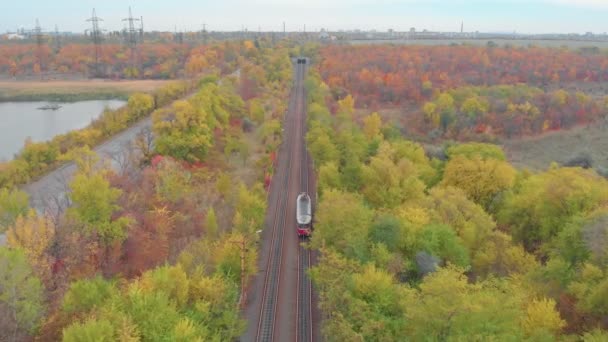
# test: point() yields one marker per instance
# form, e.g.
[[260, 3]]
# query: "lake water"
[[20, 120]]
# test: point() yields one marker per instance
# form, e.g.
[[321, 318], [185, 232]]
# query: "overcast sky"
[[522, 16]]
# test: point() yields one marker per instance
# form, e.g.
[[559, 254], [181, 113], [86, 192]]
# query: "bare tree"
[[144, 142]]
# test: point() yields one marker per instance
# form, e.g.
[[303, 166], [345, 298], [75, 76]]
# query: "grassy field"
[[537, 153], [534, 153], [73, 90]]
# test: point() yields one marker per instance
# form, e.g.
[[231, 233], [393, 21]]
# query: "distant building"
[[14, 36], [324, 35]]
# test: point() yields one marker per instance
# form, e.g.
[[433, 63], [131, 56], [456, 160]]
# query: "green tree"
[[450, 206], [498, 256], [94, 203], [271, 130], [13, 203], [329, 177], [152, 312], [543, 204], [224, 184], [474, 106], [87, 294], [385, 230], [172, 182], [472, 150], [321, 146], [415, 153], [21, 295], [251, 204], [569, 244], [256, 111], [211, 224], [172, 281], [449, 308], [446, 109], [387, 183], [91, 330], [591, 290], [378, 297], [431, 113], [441, 241], [342, 222], [596, 335], [364, 302], [552, 278], [183, 132]]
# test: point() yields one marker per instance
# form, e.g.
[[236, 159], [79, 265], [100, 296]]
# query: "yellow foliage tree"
[[196, 63], [430, 110], [498, 256], [346, 106], [474, 106], [541, 316], [451, 206], [140, 104], [371, 125], [480, 179], [34, 234], [560, 97], [390, 184]]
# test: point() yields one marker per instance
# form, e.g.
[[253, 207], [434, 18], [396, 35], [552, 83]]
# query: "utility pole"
[[57, 40], [96, 38], [141, 30], [242, 244], [178, 36], [283, 29], [132, 39], [39, 45]]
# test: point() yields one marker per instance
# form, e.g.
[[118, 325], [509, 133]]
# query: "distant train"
[[301, 60], [304, 215]]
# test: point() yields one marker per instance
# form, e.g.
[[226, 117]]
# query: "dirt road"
[[48, 194]]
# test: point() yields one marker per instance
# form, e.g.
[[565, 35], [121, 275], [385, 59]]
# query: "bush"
[[582, 159]]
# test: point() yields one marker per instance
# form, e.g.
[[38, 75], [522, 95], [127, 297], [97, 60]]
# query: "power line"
[[132, 35], [96, 38], [37, 31]]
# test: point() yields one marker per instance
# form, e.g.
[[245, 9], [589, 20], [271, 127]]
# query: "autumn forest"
[[424, 230]]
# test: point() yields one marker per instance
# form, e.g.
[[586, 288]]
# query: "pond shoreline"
[[65, 98], [20, 121]]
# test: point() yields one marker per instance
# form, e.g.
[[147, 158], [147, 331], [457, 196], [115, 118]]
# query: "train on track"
[[301, 60], [304, 215]]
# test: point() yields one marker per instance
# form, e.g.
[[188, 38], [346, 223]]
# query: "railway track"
[[280, 222], [304, 301]]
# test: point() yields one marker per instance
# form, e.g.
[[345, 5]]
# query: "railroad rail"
[[280, 222], [304, 301]]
